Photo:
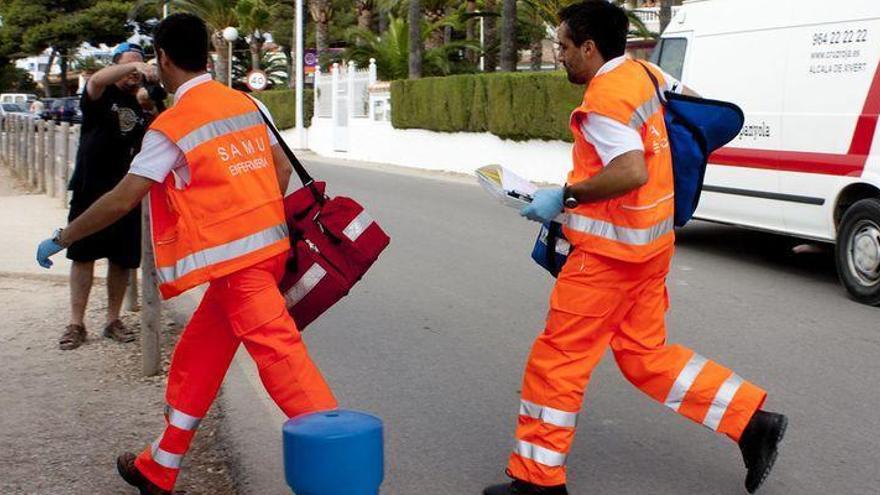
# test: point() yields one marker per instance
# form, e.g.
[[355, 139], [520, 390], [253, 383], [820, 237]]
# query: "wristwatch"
[[568, 199]]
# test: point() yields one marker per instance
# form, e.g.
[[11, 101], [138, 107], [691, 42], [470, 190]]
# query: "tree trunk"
[[415, 39], [437, 36], [491, 35], [471, 30], [509, 53], [537, 54], [383, 20], [321, 11], [46, 88], [221, 48], [365, 16], [63, 61], [256, 51], [665, 14]]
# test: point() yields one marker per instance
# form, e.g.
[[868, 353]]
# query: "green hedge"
[[517, 106], [282, 105]]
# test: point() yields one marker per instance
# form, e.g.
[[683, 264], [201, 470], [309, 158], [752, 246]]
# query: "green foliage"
[[516, 106], [391, 51], [15, 80], [282, 105]]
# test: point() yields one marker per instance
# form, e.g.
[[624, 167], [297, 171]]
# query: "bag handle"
[[654, 81], [301, 172]]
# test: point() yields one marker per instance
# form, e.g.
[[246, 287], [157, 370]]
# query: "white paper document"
[[509, 188]]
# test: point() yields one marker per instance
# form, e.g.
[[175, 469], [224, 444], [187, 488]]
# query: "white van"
[[807, 163], [20, 98]]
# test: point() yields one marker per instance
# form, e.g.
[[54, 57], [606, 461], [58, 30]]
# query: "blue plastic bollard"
[[334, 453]]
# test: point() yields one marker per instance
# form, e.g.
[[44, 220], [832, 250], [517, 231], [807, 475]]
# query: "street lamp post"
[[300, 76], [230, 34]]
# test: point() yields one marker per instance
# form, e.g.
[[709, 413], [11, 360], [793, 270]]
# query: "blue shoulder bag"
[[696, 127]]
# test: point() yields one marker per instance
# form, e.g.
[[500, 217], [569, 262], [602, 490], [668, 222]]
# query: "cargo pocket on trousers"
[[575, 307], [255, 311]]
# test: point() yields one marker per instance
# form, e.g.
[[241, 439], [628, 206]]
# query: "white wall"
[[539, 161]]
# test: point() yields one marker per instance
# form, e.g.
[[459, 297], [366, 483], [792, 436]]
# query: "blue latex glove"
[[546, 205], [46, 249]]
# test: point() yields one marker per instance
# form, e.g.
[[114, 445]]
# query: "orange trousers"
[[599, 301], [247, 307]]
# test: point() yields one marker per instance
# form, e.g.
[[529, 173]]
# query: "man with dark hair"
[[112, 128], [619, 202], [215, 176]]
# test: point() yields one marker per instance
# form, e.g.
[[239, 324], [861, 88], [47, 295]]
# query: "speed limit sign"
[[257, 80]]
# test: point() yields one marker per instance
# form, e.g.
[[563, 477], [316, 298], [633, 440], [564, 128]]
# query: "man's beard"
[[572, 76]]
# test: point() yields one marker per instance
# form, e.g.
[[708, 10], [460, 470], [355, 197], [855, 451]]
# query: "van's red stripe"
[[850, 164], [790, 161]]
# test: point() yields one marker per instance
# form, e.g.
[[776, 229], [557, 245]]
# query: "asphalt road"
[[435, 338]]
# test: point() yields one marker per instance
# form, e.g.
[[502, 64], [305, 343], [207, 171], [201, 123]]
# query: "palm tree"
[[255, 17], [391, 51], [509, 53], [217, 14]]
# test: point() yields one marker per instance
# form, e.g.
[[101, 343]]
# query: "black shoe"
[[519, 487], [760, 446], [131, 475]]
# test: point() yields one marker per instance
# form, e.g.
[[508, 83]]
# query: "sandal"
[[73, 337], [118, 332]]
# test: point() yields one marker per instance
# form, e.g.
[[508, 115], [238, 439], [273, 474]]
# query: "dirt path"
[[65, 415]]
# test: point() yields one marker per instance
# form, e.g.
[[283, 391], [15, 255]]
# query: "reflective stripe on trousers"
[[548, 415], [540, 454], [181, 420], [721, 400], [617, 233], [221, 253]]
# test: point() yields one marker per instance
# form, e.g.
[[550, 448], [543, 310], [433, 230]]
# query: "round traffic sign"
[[257, 80]]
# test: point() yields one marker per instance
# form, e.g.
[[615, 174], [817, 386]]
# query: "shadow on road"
[[771, 251]]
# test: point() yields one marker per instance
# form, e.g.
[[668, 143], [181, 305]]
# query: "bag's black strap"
[[654, 81], [301, 171], [550, 255]]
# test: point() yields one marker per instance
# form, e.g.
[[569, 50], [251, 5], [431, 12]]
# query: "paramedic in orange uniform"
[[215, 178], [612, 290]]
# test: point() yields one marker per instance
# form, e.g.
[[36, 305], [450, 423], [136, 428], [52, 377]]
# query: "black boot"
[[519, 487], [760, 445], [132, 476]]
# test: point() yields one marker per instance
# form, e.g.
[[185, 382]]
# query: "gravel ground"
[[66, 415]]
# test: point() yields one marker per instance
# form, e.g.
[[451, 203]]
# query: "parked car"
[[12, 109], [46, 114], [806, 164], [66, 110]]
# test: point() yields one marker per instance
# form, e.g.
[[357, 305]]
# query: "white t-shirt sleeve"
[[158, 157], [272, 139], [610, 138]]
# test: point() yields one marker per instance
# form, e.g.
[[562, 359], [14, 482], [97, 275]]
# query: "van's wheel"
[[858, 251]]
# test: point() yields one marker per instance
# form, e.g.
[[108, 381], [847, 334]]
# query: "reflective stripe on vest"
[[617, 233], [221, 253], [218, 128]]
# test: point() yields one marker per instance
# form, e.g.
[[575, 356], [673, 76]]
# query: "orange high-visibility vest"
[[230, 215], [638, 225]]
